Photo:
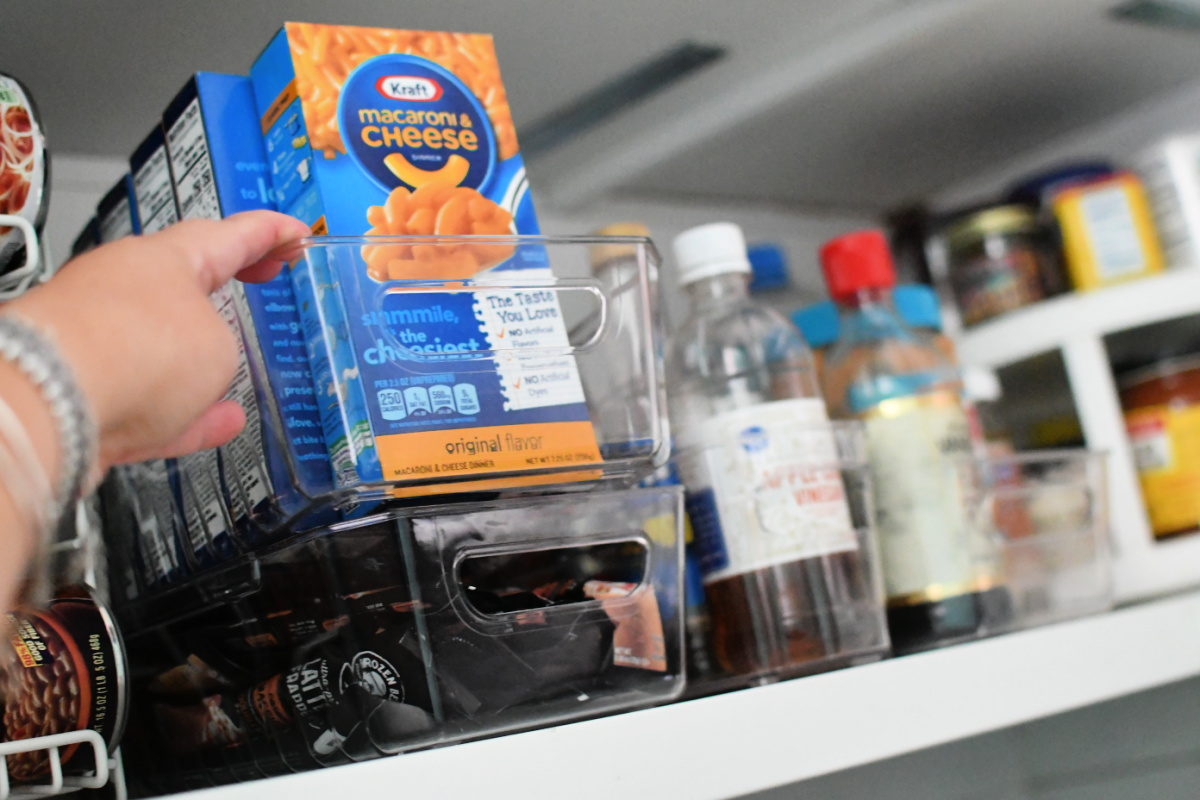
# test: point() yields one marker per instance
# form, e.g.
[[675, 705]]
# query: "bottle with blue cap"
[[781, 567], [939, 573]]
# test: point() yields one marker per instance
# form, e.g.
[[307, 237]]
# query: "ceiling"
[[846, 104]]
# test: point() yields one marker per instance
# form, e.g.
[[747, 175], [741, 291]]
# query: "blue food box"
[[218, 168]]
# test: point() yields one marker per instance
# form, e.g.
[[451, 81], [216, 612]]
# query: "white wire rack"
[[86, 563], [57, 783], [37, 267]]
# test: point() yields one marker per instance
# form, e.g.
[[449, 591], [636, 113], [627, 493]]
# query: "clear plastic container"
[[1046, 513], [405, 630], [541, 321], [792, 617]]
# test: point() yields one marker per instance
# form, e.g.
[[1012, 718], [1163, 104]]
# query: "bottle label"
[[764, 488], [929, 550]]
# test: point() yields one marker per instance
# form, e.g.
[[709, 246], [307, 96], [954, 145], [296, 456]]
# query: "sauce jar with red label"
[[1162, 418], [24, 169]]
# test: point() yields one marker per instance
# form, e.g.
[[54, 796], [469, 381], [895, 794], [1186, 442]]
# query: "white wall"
[[1117, 139], [76, 184]]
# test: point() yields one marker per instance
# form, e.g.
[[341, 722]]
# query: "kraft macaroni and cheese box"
[[384, 132], [116, 215], [152, 183], [219, 168]]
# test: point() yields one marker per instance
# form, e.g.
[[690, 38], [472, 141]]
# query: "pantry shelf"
[[1060, 321], [747, 741]]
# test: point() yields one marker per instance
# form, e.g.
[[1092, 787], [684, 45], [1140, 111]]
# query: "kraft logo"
[[409, 87]]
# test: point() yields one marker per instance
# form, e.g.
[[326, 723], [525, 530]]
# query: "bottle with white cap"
[[783, 572]]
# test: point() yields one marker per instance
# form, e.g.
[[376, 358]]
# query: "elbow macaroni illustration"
[[325, 55], [436, 208]]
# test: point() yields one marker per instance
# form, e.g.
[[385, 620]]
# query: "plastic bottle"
[[939, 571], [746, 410]]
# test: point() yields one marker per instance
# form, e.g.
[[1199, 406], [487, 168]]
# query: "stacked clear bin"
[[449, 607], [1044, 518], [603, 323], [407, 629]]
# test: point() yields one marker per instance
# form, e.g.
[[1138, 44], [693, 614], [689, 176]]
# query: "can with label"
[[1108, 232], [64, 670], [24, 169], [1162, 417]]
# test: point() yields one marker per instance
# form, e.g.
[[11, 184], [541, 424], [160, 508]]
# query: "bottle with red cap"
[[939, 573], [786, 582]]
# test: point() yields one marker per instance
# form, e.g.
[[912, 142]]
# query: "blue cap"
[[917, 304], [818, 323], [768, 266]]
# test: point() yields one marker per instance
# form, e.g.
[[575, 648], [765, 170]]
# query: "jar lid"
[[1166, 368], [989, 222], [601, 254]]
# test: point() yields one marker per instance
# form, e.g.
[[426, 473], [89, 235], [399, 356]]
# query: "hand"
[[150, 352]]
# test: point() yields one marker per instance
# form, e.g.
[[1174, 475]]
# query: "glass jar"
[[998, 262]]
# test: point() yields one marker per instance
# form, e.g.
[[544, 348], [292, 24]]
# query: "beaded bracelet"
[[38, 359]]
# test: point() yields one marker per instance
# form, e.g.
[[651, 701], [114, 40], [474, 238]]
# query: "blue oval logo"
[[754, 440], [407, 121]]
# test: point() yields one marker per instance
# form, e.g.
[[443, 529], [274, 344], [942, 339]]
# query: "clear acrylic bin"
[[405, 630], [555, 358], [586, 343], [1045, 515], [778, 616]]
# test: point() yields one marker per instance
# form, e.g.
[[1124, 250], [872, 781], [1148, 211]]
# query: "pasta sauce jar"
[[24, 169], [1162, 417]]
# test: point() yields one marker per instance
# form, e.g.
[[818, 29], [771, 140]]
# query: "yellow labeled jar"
[[1162, 417], [1107, 231]]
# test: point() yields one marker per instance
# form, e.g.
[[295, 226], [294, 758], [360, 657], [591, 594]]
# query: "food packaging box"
[[152, 189], [408, 133], [116, 214], [1171, 171], [218, 168]]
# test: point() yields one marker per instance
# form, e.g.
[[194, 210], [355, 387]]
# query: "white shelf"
[[1048, 325], [1075, 325], [732, 744]]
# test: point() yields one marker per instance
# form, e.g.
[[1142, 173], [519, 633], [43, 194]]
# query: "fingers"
[[215, 427], [241, 243]]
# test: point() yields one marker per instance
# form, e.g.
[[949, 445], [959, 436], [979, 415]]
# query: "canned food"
[[65, 671], [24, 169], [1162, 418], [999, 262]]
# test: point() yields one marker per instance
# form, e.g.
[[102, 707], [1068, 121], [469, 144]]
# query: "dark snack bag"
[[350, 700]]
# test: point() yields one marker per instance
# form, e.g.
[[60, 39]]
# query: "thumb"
[[250, 242]]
